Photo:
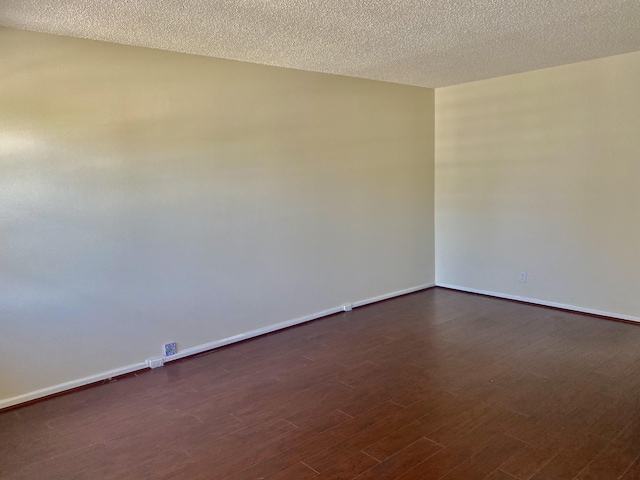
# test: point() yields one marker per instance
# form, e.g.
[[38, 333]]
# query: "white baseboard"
[[45, 392], [544, 303], [380, 298]]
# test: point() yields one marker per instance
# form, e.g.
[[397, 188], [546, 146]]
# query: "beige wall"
[[541, 172], [147, 197]]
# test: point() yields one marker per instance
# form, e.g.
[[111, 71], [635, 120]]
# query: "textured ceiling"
[[430, 43]]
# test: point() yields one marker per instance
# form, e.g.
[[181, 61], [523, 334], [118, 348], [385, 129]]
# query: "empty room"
[[345, 240]]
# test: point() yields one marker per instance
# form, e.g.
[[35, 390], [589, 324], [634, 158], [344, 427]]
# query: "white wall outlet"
[[155, 362], [347, 307], [170, 349], [522, 278]]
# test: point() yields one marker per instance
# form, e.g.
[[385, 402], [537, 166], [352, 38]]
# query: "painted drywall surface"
[[148, 196], [541, 172]]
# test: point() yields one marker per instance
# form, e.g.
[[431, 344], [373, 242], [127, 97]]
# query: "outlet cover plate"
[[155, 362]]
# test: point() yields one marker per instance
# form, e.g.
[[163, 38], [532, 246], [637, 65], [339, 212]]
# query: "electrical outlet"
[[522, 278], [170, 349], [347, 307], [155, 362]]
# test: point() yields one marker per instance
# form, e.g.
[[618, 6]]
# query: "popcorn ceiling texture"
[[428, 43]]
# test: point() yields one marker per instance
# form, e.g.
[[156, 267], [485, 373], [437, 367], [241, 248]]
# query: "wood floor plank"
[[398, 439], [500, 475], [633, 472], [299, 471], [570, 461], [338, 452], [294, 452], [530, 460], [350, 468], [487, 460], [450, 457], [617, 457], [402, 461]]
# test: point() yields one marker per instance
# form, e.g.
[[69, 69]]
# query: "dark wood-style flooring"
[[437, 384]]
